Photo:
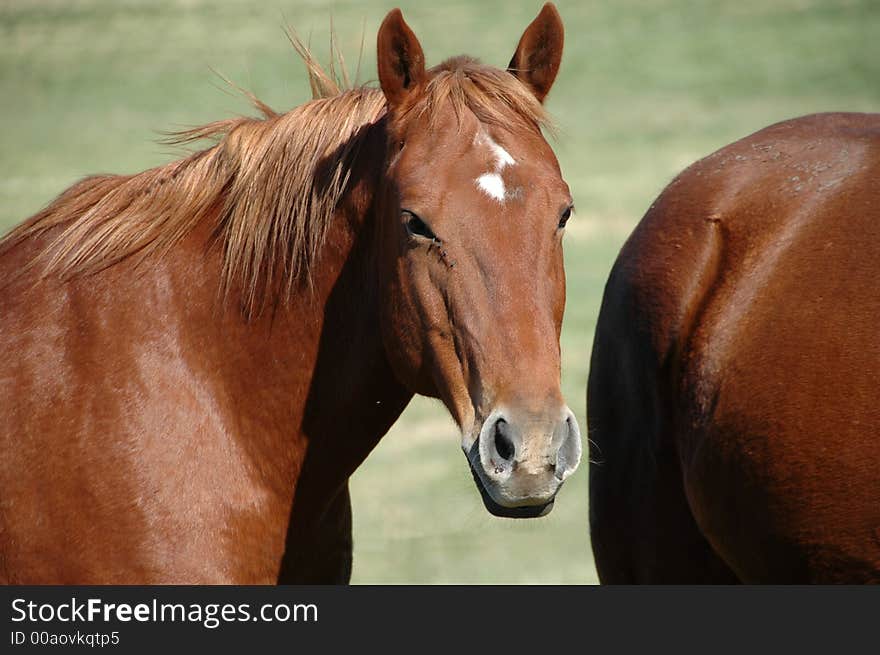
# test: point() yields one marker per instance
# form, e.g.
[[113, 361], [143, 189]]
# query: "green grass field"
[[646, 88]]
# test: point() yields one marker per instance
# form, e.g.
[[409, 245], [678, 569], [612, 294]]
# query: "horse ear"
[[537, 57], [401, 62]]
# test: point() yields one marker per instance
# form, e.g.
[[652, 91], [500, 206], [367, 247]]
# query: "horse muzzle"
[[519, 461]]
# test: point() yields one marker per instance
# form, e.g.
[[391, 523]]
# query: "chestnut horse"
[[734, 392], [194, 359]]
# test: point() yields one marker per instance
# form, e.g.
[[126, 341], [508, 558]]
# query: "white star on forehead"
[[491, 183]]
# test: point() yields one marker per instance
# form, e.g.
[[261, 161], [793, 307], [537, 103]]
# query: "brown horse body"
[[151, 428], [196, 358], [734, 394]]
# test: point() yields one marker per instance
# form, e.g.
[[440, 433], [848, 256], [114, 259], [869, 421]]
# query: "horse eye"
[[565, 216], [417, 227]]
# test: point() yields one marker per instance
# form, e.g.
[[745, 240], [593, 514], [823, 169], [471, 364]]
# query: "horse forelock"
[[492, 95]]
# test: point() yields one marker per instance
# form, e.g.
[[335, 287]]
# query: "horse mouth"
[[525, 512]]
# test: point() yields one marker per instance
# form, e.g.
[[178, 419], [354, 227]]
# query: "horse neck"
[[323, 371]]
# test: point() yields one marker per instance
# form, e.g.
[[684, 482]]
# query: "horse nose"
[[568, 452], [527, 457]]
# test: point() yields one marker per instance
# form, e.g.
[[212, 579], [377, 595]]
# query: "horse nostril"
[[503, 444], [568, 455]]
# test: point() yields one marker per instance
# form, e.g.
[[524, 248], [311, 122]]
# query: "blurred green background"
[[646, 87]]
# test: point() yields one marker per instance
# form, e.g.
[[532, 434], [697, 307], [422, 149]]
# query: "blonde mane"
[[270, 185]]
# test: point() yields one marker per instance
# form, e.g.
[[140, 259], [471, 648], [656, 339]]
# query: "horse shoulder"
[[123, 373]]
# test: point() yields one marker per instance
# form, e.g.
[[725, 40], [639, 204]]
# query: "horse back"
[[736, 363]]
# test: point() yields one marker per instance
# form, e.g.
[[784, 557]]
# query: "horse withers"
[[734, 391], [194, 359]]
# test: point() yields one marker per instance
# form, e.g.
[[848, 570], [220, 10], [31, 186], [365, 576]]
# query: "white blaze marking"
[[491, 183]]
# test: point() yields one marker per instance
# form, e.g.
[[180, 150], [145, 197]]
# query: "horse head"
[[472, 259]]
